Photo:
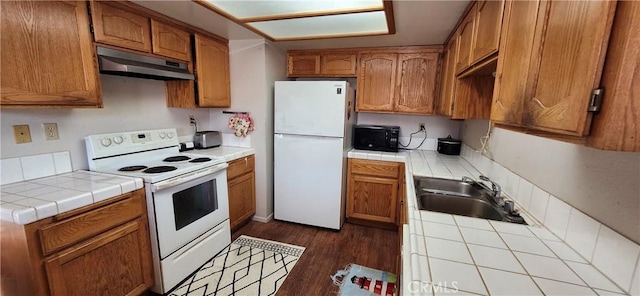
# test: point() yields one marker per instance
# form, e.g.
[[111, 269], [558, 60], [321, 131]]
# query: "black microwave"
[[376, 137]]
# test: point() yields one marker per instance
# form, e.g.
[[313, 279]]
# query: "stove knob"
[[106, 142], [118, 140], [162, 135], [170, 135]]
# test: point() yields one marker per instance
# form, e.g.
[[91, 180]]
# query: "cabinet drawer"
[[374, 168], [240, 166], [77, 228]]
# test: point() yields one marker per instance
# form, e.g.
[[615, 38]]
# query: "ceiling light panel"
[[282, 8], [352, 24]]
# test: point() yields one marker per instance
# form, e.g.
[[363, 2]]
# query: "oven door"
[[187, 206]]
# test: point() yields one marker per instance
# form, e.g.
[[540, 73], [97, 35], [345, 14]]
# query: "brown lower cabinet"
[[242, 191], [373, 190], [100, 249]]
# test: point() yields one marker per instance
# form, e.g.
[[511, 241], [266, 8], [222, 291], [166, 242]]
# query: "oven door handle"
[[188, 177]]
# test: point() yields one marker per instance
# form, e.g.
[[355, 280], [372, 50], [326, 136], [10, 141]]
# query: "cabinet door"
[[303, 65], [48, 58], [117, 262], [465, 42], [488, 23], [447, 92], [170, 41], [376, 82], [416, 83], [119, 27], [212, 72], [338, 64], [372, 198], [242, 199], [513, 62], [568, 57]]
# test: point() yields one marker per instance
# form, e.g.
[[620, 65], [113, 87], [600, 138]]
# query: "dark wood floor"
[[327, 251]]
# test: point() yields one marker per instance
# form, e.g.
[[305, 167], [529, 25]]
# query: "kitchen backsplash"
[[34, 166], [615, 255]]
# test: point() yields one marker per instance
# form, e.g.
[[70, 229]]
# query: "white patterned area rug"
[[248, 266]]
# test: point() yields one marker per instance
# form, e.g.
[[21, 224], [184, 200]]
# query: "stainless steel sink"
[[458, 205], [448, 187], [460, 198]]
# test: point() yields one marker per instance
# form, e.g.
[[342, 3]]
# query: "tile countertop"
[[228, 152], [29, 201], [450, 254]]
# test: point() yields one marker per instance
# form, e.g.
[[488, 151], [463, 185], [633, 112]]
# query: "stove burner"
[[160, 169], [132, 168], [176, 158], [200, 159]]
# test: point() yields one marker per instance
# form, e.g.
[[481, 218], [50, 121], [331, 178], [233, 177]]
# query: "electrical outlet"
[[422, 126], [22, 134], [192, 119], [51, 131]]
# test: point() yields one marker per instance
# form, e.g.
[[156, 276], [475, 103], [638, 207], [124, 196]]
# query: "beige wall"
[[129, 104], [255, 64], [603, 184]]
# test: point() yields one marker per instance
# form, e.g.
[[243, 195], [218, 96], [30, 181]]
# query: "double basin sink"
[[466, 198]]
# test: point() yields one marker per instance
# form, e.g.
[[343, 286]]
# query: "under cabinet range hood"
[[116, 62]]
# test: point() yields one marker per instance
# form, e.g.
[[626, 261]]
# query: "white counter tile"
[[507, 283], [564, 252], [593, 277], [543, 233], [38, 166], [8, 197], [482, 237], [635, 285], [530, 245], [44, 209], [10, 170], [20, 187], [417, 245], [525, 189], [68, 200], [62, 162], [605, 293], [546, 267], [456, 275], [511, 228], [550, 287], [437, 217], [539, 201], [17, 213], [495, 258], [557, 217], [449, 250], [582, 233], [471, 222], [443, 231], [612, 255]]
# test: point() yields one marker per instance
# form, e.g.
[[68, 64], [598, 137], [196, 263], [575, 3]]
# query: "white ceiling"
[[418, 22]]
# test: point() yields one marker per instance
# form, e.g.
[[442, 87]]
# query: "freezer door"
[[315, 108], [308, 180]]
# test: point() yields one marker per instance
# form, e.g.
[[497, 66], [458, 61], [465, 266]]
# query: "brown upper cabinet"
[[329, 63], [447, 90], [170, 41], [34, 72], [119, 27], [478, 35], [488, 23], [416, 83], [376, 82], [211, 87], [464, 38], [559, 56], [400, 81]]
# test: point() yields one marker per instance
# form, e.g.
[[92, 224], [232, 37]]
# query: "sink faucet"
[[497, 191]]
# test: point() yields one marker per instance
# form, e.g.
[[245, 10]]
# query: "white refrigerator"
[[313, 123]]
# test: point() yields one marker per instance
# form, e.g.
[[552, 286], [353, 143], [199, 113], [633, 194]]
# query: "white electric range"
[[187, 197]]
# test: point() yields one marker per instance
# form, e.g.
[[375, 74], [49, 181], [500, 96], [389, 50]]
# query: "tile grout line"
[[486, 287]]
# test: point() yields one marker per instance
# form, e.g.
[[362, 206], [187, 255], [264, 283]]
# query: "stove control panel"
[[106, 145]]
